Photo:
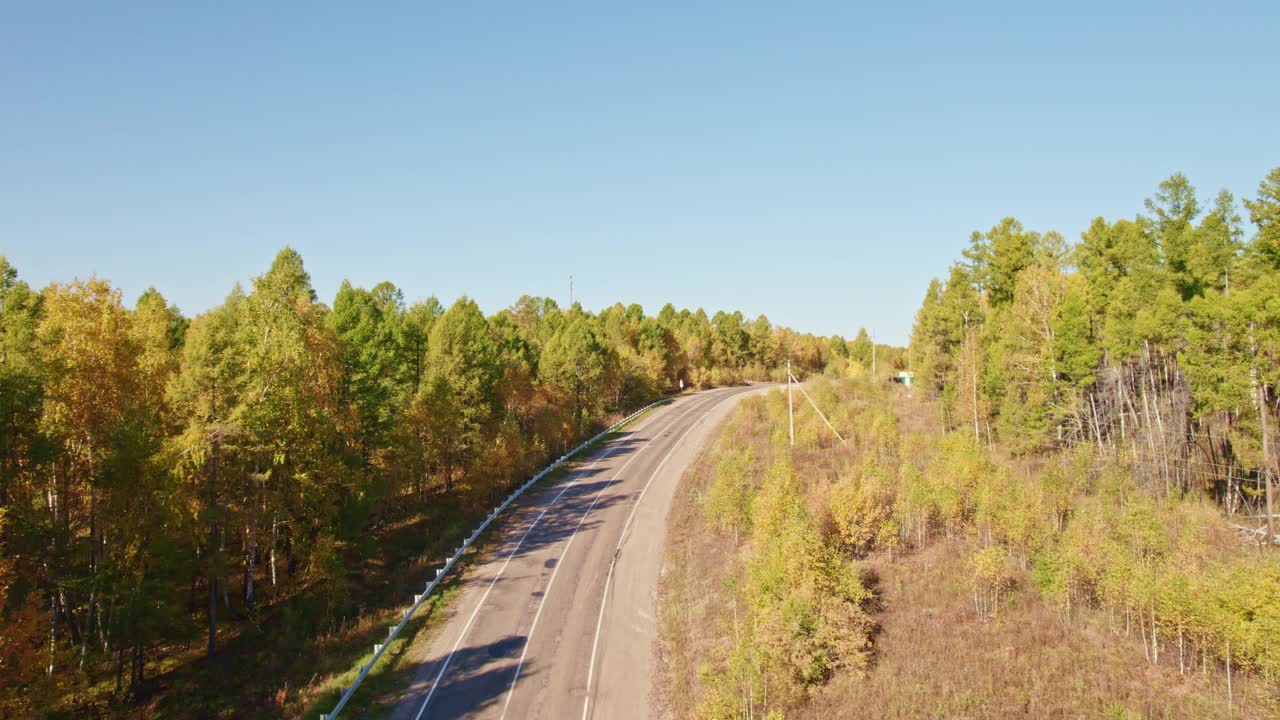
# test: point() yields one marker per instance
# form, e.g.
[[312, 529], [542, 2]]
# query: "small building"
[[905, 377]]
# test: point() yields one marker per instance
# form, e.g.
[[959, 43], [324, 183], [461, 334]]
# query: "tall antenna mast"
[[570, 291]]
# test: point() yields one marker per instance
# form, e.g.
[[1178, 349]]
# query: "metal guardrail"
[[379, 648]]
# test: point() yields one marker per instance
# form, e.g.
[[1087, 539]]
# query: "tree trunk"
[[104, 620], [1230, 699], [213, 541], [93, 575], [251, 556], [64, 609], [977, 435], [275, 527], [448, 464], [53, 630], [1097, 429], [139, 674], [1267, 461], [1121, 384], [226, 602], [1260, 400], [1142, 626], [213, 614], [1155, 638], [1164, 437]]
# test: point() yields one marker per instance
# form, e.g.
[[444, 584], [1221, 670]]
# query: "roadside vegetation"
[[1072, 513], [957, 580], [216, 516], [1157, 336]]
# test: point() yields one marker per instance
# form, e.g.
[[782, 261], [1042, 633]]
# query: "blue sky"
[[817, 162]]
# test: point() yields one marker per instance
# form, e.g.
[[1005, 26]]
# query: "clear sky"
[[817, 162]]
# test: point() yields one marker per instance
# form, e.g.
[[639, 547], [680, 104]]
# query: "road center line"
[[564, 553], [471, 620], [604, 598]]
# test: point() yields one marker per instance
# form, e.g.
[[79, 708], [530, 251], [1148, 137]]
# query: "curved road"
[[556, 618]]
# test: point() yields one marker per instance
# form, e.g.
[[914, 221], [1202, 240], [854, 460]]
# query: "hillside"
[[934, 577]]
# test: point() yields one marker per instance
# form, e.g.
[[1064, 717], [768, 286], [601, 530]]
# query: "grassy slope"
[[933, 657], [690, 592]]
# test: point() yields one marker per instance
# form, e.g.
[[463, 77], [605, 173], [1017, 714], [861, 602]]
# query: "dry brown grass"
[[933, 656], [691, 590]]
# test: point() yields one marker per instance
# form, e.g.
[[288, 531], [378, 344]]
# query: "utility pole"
[[821, 414], [570, 291], [873, 358], [791, 418]]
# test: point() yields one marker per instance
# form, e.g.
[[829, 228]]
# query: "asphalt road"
[[556, 619]]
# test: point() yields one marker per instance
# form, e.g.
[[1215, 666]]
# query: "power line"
[[815, 407], [791, 420]]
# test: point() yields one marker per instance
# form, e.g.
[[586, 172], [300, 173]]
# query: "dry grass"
[[686, 591], [691, 591], [933, 657], [382, 688]]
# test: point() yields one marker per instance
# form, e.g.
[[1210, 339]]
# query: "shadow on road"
[[478, 678], [561, 519]]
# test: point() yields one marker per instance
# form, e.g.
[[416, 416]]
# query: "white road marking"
[[466, 628], [471, 620], [604, 599], [547, 592]]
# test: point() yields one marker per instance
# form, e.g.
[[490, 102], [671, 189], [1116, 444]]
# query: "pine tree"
[[463, 372], [997, 256], [90, 391], [574, 362], [1265, 214], [207, 453], [21, 382], [1173, 210]]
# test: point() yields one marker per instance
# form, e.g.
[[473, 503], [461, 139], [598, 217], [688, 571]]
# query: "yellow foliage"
[[728, 500], [859, 514], [991, 579]]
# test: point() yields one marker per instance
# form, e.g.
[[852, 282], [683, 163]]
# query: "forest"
[[1084, 473], [1141, 367], [168, 484], [1158, 335], [919, 572], [1092, 437]]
